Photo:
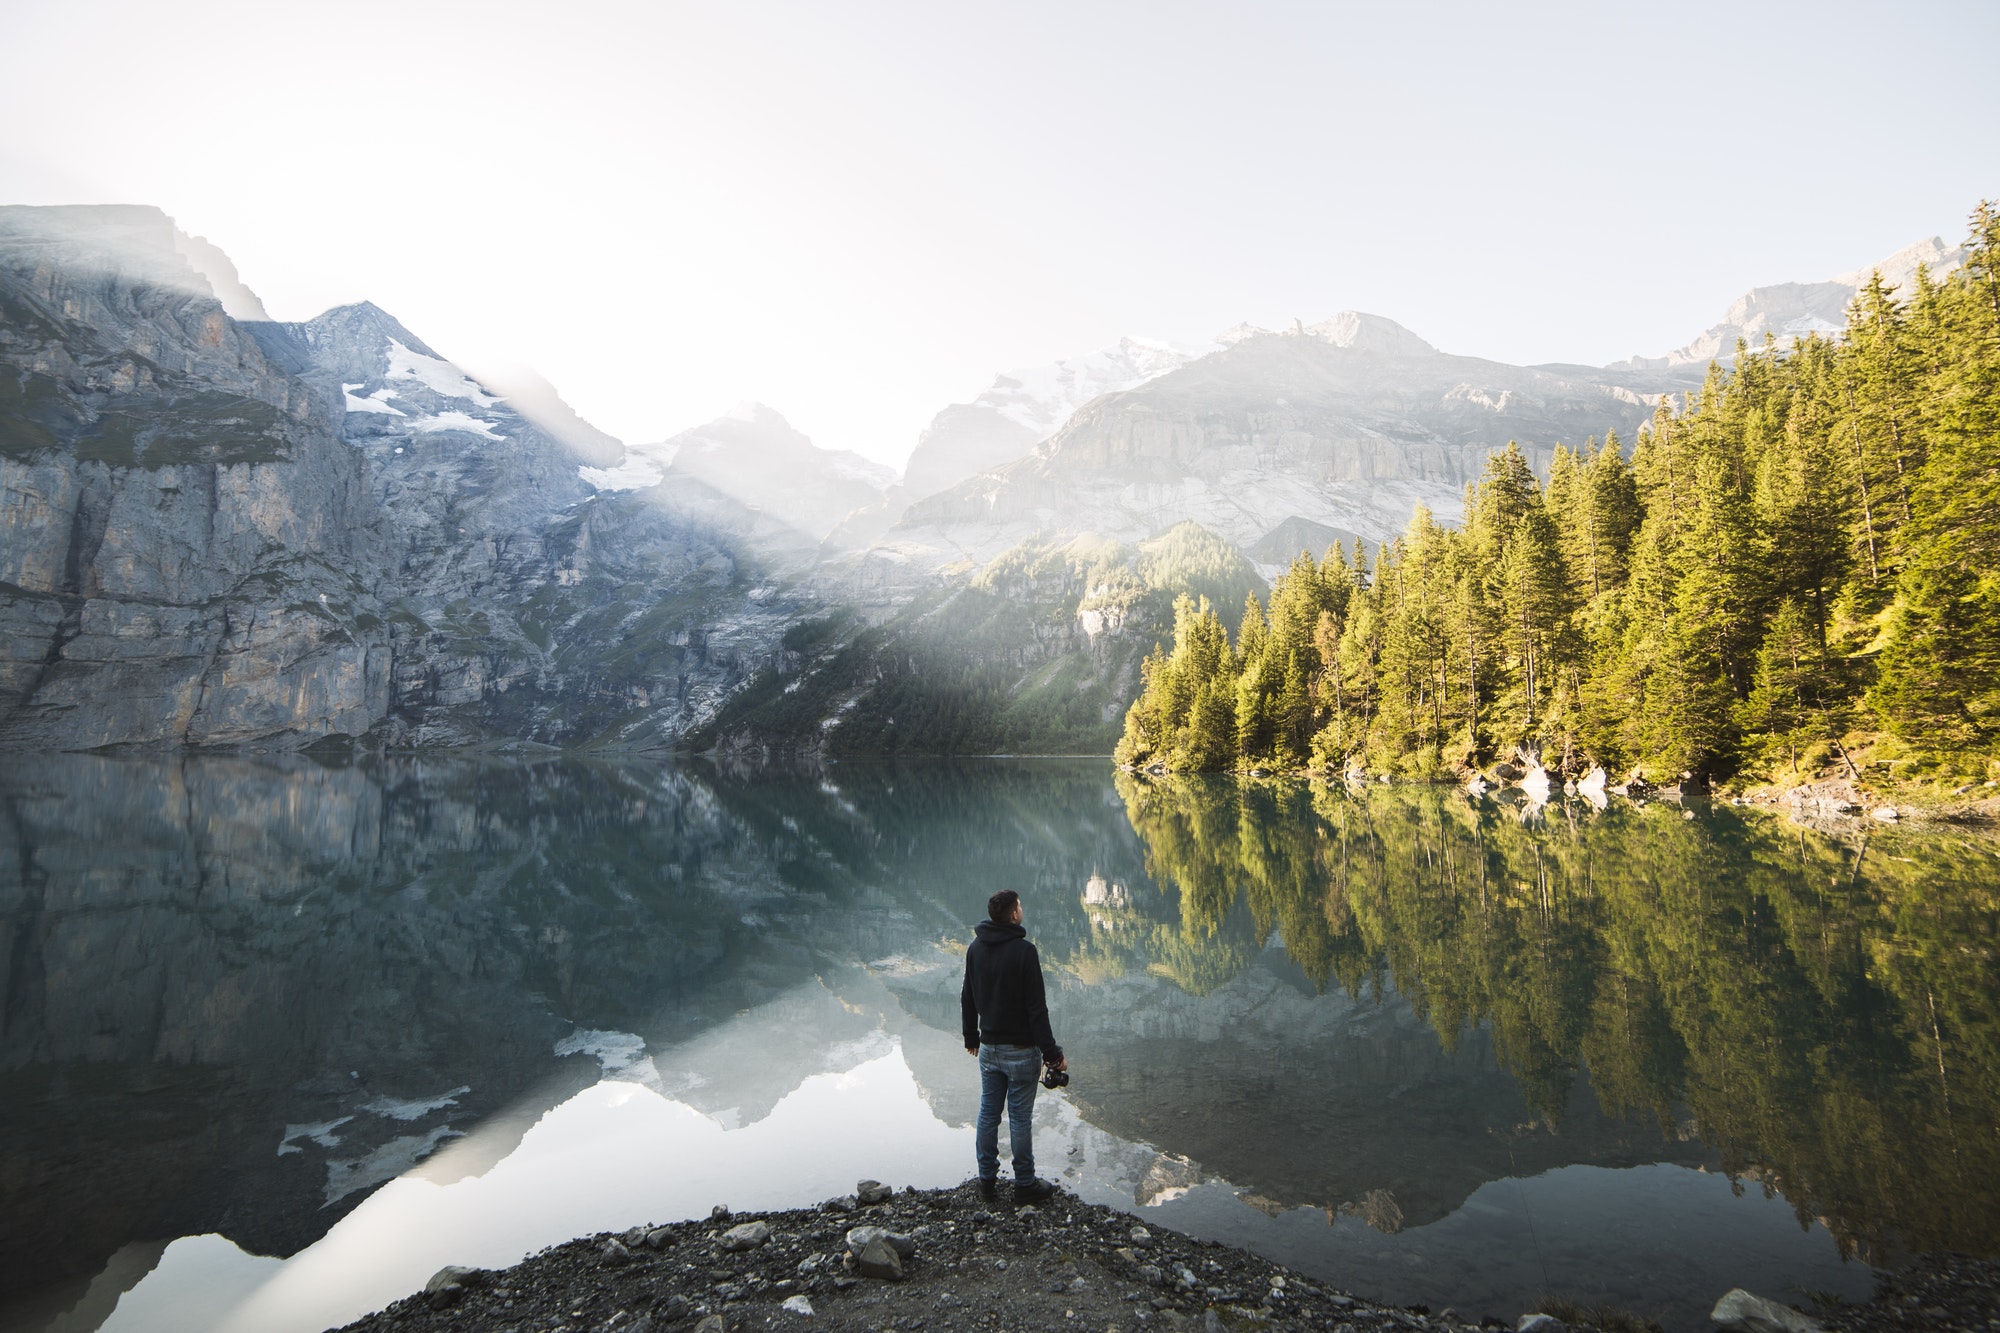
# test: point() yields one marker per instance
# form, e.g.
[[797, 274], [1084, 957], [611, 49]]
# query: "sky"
[[859, 212]]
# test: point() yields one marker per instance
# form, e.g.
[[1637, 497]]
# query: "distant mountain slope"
[[1790, 311], [756, 459], [1346, 425], [1024, 407]]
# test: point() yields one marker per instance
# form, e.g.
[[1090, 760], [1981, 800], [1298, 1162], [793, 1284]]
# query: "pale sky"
[[858, 212]]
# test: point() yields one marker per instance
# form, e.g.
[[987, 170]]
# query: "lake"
[[279, 1039]]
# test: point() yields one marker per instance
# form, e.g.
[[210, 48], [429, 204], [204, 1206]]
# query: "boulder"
[[872, 1191], [614, 1254], [879, 1259], [711, 1324], [451, 1275], [1888, 814], [841, 1203], [1540, 1323], [860, 1238], [747, 1236], [719, 1213], [1741, 1312], [660, 1237], [797, 1305]]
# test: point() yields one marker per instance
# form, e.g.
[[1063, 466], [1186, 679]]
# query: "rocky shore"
[[948, 1260]]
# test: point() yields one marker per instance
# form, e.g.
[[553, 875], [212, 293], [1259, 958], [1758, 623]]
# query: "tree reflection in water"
[[1823, 1010]]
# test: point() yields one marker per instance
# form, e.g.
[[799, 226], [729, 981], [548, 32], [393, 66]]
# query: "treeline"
[[1805, 557]]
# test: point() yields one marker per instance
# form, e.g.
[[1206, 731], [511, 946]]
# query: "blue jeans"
[[1010, 1074]]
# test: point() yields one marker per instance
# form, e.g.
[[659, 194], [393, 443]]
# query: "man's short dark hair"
[[1001, 906]]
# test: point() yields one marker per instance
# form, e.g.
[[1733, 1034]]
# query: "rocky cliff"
[[189, 554], [224, 532]]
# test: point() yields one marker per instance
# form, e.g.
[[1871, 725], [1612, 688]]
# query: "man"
[[1006, 1020]]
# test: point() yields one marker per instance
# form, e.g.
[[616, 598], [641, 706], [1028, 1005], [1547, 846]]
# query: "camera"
[[1053, 1078]]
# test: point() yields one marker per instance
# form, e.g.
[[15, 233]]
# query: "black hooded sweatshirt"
[[1002, 1002]]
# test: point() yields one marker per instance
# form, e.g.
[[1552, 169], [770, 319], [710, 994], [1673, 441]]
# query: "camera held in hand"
[[1053, 1078]]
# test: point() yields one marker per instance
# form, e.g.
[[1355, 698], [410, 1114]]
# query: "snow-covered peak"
[[1237, 333], [1042, 397], [1370, 333]]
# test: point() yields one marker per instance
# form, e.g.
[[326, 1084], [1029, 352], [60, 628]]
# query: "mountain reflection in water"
[[1419, 1046]]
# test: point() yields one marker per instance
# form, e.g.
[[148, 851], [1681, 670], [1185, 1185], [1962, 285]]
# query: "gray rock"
[[841, 1203], [1540, 1323], [1153, 1275], [872, 1191], [711, 1323], [451, 1275], [660, 1237], [860, 1238], [719, 1213], [880, 1260], [1742, 1312], [1141, 1237], [746, 1236], [614, 1254], [797, 1305]]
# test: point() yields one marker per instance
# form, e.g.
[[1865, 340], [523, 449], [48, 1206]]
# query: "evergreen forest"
[[1796, 571]]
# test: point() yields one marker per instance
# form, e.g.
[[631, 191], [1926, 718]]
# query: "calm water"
[[278, 1040]]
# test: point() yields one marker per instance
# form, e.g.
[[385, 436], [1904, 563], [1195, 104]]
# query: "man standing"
[[1006, 1020]]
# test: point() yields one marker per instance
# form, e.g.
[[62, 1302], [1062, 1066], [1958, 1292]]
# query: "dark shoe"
[[989, 1190], [1033, 1191]]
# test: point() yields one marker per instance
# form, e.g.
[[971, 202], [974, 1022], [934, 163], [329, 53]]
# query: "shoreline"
[[943, 1259]]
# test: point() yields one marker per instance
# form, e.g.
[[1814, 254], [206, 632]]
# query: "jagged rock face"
[[222, 532], [1347, 425], [187, 552]]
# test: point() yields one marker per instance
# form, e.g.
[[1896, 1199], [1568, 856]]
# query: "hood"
[[992, 933]]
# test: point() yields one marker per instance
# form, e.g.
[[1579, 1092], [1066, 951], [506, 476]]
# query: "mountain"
[[225, 532], [1790, 311], [1025, 407], [754, 457], [1347, 425]]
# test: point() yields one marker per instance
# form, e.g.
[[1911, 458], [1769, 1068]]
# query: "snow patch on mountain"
[[374, 402], [460, 421], [434, 373]]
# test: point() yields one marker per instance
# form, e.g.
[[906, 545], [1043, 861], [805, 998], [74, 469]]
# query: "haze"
[[859, 213]]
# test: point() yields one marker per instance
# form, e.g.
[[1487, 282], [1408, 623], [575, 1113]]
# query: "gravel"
[[982, 1267]]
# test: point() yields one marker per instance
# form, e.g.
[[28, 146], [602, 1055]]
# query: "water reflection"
[[1821, 1012], [1377, 1035]]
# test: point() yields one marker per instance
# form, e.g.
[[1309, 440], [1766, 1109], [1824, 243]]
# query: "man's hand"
[[1060, 1065], [972, 1050]]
